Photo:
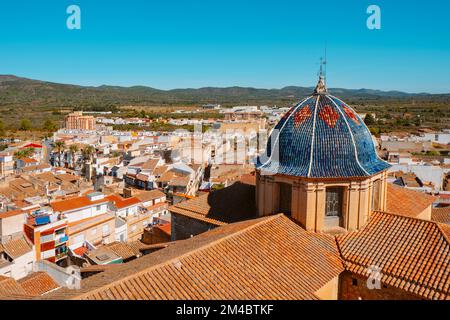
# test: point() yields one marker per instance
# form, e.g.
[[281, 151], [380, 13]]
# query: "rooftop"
[[441, 215], [121, 203], [412, 254], [145, 196], [267, 258], [75, 203], [231, 204], [407, 202], [16, 247], [38, 283]]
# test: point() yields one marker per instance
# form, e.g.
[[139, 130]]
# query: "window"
[[285, 198], [333, 206], [98, 208], [94, 231], [354, 282], [105, 229], [376, 195]]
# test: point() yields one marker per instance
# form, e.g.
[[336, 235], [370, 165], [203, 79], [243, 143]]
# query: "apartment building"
[[48, 231], [89, 219], [77, 121]]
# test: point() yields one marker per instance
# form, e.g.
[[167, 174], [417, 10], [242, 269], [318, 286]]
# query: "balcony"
[[60, 253], [61, 240]]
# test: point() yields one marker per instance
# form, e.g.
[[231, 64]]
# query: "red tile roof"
[[441, 215], [231, 204], [407, 202], [17, 247], [145, 196], [123, 250], [166, 228], [9, 286], [81, 251], [413, 254], [266, 258], [121, 203], [38, 283], [75, 203], [28, 160], [11, 213], [32, 145]]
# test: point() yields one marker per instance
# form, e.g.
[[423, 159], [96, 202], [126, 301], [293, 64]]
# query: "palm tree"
[[60, 146], [88, 151], [73, 150]]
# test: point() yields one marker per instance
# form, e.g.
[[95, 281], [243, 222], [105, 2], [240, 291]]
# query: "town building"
[[77, 121], [48, 231], [6, 165], [89, 219], [16, 251]]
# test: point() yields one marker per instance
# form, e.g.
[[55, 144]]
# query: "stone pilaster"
[[320, 206], [353, 206]]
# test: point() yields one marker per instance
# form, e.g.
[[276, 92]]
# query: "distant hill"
[[17, 91]]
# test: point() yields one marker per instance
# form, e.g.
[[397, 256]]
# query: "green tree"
[[25, 125], [24, 153], [369, 120], [49, 126], [375, 131], [2, 129]]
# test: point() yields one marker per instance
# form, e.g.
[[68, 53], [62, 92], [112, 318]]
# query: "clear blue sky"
[[268, 44]]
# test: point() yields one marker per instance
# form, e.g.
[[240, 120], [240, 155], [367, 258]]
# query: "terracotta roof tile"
[[38, 283], [122, 249], [441, 215], [150, 164], [231, 204], [9, 286], [407, 202], [11, 213], [29, 160], [166, 228], [180, 181], [266, 258], [160, 170], [75, 203], [121, 203], [16, 248], [145, 196], [413, 254]]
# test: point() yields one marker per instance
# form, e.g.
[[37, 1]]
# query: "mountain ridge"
[[15, 90]]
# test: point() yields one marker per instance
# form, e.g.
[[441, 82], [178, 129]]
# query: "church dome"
[[321, 137]]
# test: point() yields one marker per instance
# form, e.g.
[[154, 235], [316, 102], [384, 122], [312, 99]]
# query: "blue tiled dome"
[[321, 137]]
